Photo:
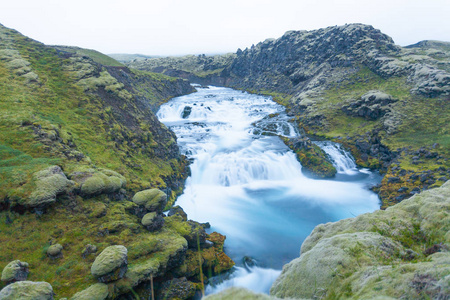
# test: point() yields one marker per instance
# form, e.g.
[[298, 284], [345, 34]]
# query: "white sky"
[[174, 27]]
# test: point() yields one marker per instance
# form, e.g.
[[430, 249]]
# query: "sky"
[[176, 27]]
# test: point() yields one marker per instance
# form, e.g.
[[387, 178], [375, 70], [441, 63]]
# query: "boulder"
[[153, 221], [55, 251], [178, 210], [94, 182], [98, 291], [27, 290], [50, 183], [111, 264], [151, 200], [177, 288], [15, 271]]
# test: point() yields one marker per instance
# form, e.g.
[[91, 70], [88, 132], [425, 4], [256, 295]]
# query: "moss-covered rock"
[[15, 271], [27, 290], [98, 291], [95, 182], [313, 159], [55, 251], [111, 264], [370, 256], [151, 200], [49, 183], [237, 293], [152, 221]]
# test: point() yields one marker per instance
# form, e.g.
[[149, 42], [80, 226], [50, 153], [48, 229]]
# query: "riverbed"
[[250, 187]]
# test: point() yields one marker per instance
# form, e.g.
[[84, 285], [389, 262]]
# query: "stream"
[[250, 187]]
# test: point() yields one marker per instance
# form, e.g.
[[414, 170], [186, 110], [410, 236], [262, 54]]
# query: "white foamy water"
[[249, 186]]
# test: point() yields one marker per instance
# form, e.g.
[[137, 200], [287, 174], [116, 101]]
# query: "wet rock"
[[111, 264], [55, 251], [151, 200], [152, 221], [186, 112], [177, 288], [15, 271], [27, 290], [98, 291]]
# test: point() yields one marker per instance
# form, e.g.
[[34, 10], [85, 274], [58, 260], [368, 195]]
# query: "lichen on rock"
[[15, 271], [27, 290], [111, 264]]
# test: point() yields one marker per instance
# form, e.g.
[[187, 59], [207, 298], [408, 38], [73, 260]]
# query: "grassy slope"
[[76, 115]]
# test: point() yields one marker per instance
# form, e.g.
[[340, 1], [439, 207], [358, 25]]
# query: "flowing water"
[[249, 186]]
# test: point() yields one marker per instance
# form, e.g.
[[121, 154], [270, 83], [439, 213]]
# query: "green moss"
[[98, 291]]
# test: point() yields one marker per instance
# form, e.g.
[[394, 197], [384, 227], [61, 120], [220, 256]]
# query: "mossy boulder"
[[55, 251], [314, 160], [98, 291], [50, 183], [15, 271], [111, 264], [152, 221], [27, 290], [370, 256], [151, 200], [177, 288], [95, 182]]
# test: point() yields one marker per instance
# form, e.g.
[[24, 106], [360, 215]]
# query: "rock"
[[177, 210], [98, 291], [238, 293], [50, 183], [151, 200], [368, 256], [95, 182], [196, 236], [394, 179], [186, 112], [90, 249], [372, 105], [152, 221], [27, 290], [55, 251], [177, 288], [111, 264], [15, 271]]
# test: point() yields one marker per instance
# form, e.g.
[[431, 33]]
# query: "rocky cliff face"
[[387, 104]]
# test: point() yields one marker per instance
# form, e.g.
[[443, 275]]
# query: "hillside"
[[84, 165], [351, 84]]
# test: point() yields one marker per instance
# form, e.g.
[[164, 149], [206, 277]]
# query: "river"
[[249, 186]]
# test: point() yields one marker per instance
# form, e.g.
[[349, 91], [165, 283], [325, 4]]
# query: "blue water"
[[249, 186]]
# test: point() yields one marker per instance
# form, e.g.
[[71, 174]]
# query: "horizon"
[[177, 28]]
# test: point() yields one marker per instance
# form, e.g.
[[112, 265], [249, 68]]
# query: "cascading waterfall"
[[249, 185]]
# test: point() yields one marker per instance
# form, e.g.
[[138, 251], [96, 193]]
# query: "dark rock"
[[178, 210], [186, 112], [394, 179], [196, 236], [402, 189], [177, 288]]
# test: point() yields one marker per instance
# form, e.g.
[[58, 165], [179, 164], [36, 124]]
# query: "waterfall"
[[249, 186]]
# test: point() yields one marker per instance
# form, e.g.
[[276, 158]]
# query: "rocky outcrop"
[[15, 271], [177, 288], [111, 264], [372, 106], [27, 290], [370, 256], [152, 221]]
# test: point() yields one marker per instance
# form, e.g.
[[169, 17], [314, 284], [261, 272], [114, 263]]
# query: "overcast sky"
[[174, 27]]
